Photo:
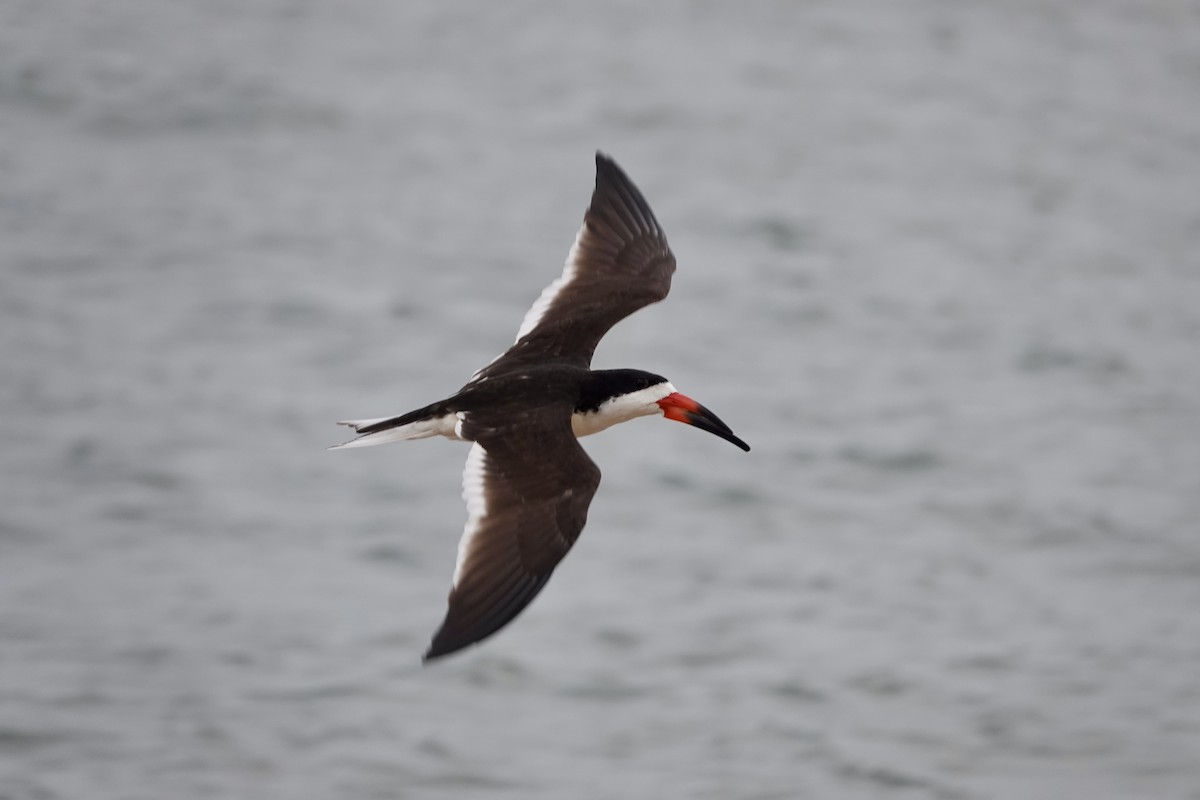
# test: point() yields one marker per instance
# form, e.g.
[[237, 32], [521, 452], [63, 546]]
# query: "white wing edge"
[[542, 304], [474, 474], [551, 292]]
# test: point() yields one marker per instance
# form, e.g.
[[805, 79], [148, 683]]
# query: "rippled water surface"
[[938, 265]]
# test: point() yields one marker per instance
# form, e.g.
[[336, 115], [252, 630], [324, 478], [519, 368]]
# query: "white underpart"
[[641, 403], [473, 478], [421, 429]]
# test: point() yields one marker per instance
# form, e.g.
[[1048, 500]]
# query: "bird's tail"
[[420, 424]]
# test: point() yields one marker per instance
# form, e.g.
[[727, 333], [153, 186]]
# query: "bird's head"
[[616, 395]]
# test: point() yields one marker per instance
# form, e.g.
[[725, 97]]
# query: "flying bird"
[[527, 481]]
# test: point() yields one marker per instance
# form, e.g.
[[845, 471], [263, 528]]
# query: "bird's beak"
[[682, 408]]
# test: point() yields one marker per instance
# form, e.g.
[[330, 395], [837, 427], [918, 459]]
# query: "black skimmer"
[[527, 482]]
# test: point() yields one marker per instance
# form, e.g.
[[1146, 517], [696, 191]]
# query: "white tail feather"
[[421, 429], [362, 423]]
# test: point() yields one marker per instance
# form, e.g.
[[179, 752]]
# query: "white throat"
[[623, 408]]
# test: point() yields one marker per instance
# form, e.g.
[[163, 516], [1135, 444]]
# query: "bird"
[[527, 482]]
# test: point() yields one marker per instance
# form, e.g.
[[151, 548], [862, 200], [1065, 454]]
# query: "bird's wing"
[[527, 494], [619, 263]]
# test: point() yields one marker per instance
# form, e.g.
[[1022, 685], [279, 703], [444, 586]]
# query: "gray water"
[[939, 263]]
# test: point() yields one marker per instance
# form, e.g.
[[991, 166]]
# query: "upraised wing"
[[619, 263], [527, 494]]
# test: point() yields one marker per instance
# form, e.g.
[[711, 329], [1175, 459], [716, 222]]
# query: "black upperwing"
[[528, 485], [620, 262]]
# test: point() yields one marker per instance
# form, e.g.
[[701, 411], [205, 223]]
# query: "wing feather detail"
[[527, 495], [620, 262]]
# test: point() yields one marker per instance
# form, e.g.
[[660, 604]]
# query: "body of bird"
[[527, 482]]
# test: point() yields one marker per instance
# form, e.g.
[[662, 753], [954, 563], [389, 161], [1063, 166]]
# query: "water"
[[938, 265]]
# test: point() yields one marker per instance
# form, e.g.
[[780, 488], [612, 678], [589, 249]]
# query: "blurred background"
[[939, 263]]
